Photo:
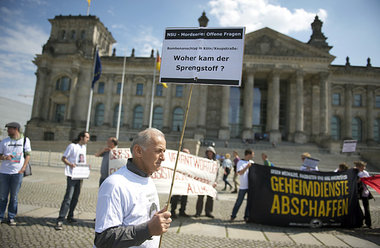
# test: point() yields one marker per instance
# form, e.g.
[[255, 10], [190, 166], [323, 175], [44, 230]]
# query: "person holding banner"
[[364, 193], [127, 212], [210, 154], [104, 168], [74, 154], [242, 170]]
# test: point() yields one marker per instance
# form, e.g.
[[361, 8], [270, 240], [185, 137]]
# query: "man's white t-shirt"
[[75, 154], [13, 147], [125, 199], [243, 178]]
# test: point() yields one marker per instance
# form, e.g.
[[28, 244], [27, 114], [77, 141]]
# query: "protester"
[[176, 198], [227, 165], [74, 153], [210, 154], [307, 168], [364, 193], [15, 153], [242, 170], [342, 167], [266, 161], [104, 169], [127, 209], [236, 160]]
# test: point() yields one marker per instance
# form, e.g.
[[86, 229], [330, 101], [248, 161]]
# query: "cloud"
[[145, 41], [260, 13]]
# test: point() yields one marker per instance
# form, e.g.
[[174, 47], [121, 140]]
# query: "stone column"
[[108, 114], [315, 110], [348, 112], [224, 131], [300, 136], [269, 106], [168, 109], [72, 101], [324, 108], [291, 118], [148, 97], [370, 117], [248, 107], [275, 135], [129, 104], [202, 111], [42, 74]]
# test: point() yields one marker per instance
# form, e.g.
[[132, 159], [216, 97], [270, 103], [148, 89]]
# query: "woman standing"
[[227, 165]]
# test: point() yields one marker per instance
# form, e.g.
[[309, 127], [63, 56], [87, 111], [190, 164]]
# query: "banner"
[[286, 197], [203, 56], [194, 175]]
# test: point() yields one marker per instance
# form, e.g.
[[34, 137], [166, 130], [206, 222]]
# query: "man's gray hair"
[[144, 137]]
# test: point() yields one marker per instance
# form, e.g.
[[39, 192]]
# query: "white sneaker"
[[12, 222]]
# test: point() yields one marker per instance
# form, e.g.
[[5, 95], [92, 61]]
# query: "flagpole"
[[179, 149], [152, 97], [121, 100], [91, 93], [88, 7]]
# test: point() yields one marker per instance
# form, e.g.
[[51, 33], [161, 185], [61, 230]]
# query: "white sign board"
[[194, 175], [349, 145], [211, 56], [311, 162], [80, 171]]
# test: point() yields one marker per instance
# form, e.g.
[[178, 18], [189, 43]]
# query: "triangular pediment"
[[268, 42]]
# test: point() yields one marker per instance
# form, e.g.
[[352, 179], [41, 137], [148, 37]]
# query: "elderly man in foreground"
[[127, 209]]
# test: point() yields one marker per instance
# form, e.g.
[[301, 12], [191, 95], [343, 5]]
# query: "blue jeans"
[[10, 184], [71, 198], [238, 203]]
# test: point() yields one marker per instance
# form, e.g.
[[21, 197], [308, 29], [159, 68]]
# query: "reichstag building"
[[290, 91]]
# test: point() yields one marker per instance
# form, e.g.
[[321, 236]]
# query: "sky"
[[349, 25]]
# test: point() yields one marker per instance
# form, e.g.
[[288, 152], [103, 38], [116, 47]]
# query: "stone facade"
[[290, 91]]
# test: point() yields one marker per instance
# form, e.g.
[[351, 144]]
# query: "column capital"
[[371, 88], [299, 73], [323, 76]]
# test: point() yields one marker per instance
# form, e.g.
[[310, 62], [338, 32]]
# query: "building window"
[[178, 90], [63, 35], [99, 114], [101, 88], [376, 130], [177, 119], [357, 100], [159, 89], [116, 115], [63, 84], [377, 103], [158, 117], [357, 129], [138, 117], [335, 128], [336, 99], [139, 89], [73, 35], [83, 35], [59, 112], [48, 136], [118, 88]]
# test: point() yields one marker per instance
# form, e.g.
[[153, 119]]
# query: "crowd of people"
[[128, 211]]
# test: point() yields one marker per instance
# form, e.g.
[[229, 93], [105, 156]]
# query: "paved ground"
[[41, 195]]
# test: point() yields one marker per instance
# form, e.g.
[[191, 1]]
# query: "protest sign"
[[288, 197], [349, 145], [80, 171], [203, 56], [311, 162], [195, 175]]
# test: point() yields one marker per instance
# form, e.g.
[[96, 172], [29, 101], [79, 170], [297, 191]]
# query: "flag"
[[89, 2], [97, 70], [373, 182], [158, 67]]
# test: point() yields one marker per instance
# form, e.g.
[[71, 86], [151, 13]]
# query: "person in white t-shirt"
[[14, 155], [127, 212], [74, 155], [242, 170]]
